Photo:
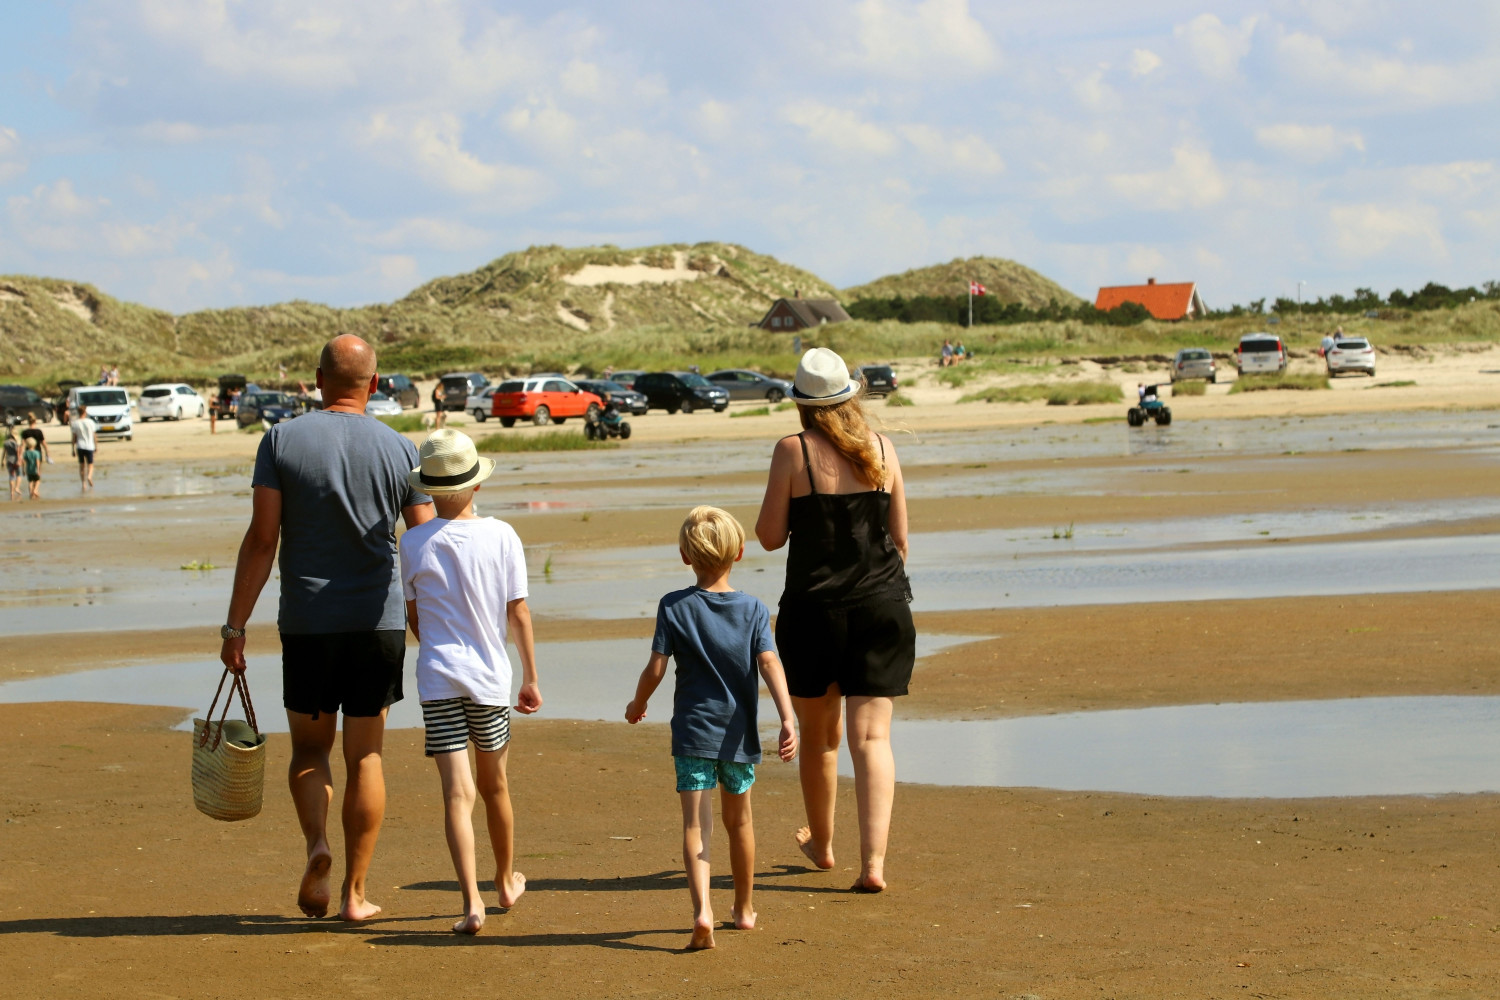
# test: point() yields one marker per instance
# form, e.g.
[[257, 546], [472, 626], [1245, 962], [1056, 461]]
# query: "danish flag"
[[975, 288]]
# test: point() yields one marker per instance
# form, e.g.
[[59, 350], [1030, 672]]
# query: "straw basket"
[[229, 758]]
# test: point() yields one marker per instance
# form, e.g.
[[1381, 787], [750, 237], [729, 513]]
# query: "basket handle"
[[240, 686]]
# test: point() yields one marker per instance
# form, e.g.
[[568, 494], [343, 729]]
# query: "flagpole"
[[971, 303]]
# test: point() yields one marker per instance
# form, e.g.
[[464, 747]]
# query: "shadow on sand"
[[663, 881]]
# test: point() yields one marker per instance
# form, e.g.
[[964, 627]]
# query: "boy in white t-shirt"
[[464, 578]]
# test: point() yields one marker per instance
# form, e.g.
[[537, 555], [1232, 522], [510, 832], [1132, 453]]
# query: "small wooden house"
[[790, 315]]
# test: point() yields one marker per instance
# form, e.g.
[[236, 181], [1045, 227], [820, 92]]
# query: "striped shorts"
[[452, 722]]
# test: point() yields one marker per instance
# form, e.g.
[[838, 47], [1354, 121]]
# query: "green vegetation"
[[406, 423], [1055, 393], [1189, 388], [256, 428], [898, 399], [756, 411], [1004, 281], [1262, 383], [540, 441], [198, 564], [1399, 383], [783, 406]]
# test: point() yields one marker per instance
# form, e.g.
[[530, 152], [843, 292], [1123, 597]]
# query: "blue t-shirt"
[[342, 479], [714, 639]]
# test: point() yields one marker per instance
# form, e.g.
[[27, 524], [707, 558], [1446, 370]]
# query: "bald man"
[[329, 487]]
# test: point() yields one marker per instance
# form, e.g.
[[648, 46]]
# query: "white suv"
[[170, 401], [1350, 354], [1260, 354]]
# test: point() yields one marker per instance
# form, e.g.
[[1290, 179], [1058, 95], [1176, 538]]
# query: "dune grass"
[[540, 441], [898, 399], [1189, 388], [755, 411], [1265, 383], [406, 423], [1055, 393]]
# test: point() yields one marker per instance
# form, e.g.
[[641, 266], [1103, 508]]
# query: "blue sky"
[[195, 153]]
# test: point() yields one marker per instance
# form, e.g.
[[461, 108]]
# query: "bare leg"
[[820, 723], [494, 787], [458, 826], [741, 829], [697, 833], [874, 784], [311, 781], [364, 810]]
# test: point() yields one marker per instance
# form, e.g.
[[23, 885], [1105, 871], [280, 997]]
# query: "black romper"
[[845, 615]]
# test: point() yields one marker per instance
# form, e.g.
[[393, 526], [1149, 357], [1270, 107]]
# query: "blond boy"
[[464, 579], [719, 638]]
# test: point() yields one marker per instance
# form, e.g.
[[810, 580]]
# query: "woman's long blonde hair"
[[845, 427]]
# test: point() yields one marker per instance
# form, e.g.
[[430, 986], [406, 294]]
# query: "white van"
[[109, 407], [1260, 354]]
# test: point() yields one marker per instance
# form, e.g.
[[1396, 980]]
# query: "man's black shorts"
[[358, 673], [866, 649]]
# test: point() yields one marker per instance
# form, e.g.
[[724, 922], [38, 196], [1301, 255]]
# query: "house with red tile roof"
[[1170, 302]]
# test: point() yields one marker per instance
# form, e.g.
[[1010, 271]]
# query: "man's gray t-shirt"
[[342, 479]]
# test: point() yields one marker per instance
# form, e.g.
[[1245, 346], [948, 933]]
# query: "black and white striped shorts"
[[452, 722]]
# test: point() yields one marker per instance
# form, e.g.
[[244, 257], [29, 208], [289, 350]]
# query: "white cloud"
[[908, 40], [545, 127], [583, 79], [12, 162], [1462, 179], [840, 129], [1192, 181], [963, 154], [1215, 47], [1145, 261], [432, 233], [1309, 143], [1096, 95], [1369, 230], [433, 146], [1144, 62], [1312, 61]]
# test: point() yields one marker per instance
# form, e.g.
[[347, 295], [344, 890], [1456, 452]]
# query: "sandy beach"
[[1005, 892]]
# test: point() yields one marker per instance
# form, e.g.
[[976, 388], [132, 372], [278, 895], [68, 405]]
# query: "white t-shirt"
[[462, 574], [83, 432]]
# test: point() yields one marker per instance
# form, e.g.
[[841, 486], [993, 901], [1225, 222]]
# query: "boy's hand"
[[787, 747], [528, 699], [635, 712]]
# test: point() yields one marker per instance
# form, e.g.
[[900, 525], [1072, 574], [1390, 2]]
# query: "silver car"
[[1350, 354], [1194, 362], [742, 383]]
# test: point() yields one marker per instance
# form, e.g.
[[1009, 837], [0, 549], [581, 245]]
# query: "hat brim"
[[845, 394], [483, 469]]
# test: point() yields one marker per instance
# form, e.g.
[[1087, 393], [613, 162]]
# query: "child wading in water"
[[464, 579], [719, 638]]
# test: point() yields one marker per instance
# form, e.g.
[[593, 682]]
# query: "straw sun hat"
[[822, 379], [450, 464]]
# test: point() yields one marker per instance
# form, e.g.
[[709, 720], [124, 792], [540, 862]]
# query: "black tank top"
[[841, 551]]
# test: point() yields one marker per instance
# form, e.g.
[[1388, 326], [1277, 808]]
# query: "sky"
[[204, 153]]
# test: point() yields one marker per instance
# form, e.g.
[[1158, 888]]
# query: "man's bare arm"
[[252, 569]]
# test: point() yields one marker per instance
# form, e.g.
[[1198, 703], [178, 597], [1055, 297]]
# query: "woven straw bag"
[[229, 758]]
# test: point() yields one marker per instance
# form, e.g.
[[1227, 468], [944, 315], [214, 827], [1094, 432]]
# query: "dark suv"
[[17, 401], [879, 380], [685, 391], [459, 386], [401, 389]]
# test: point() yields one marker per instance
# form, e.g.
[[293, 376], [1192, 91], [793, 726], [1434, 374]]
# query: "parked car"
[[479, 403], [108, 406], [542, 401], [1351, 354], [266, 407], [627, 378], [685, 391], [381, 405], [1194, 362], [228, 385], [60, 406], [400, 388], [17, 402], [880, 380], [170, 401], [459, 386], [629, 400], [742, 383], [1260, 354]]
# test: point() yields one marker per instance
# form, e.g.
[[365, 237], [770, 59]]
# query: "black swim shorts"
[[866, 649], [358, 673]]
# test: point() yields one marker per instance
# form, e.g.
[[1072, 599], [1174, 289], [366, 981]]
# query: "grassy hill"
[[1004, 279]]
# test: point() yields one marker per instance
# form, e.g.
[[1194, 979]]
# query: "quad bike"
[[1149, 408], [606, 423]]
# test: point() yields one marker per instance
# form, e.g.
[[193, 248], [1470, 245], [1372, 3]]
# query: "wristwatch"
[[229, 632]]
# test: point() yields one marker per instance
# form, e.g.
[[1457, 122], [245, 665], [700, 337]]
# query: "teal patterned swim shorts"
[[700, 774]]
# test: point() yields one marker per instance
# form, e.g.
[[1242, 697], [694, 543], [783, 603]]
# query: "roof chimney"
[[1150, 281]]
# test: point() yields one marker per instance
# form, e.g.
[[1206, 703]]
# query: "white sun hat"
[[450, 463], [822, 379]]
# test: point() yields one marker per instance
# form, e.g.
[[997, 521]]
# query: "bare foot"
[[313, 895], [469, 923], [743, 921], [702, 939], [868, 883], [804, 844], [511, 891], [356, 910]]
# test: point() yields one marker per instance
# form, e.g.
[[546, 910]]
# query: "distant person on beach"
[[83, 429], [720, 639], [13, 451], [439, 415], [845, 629], [464, 579], [329, 487], [31, 459], [37, 436], [945, 357]]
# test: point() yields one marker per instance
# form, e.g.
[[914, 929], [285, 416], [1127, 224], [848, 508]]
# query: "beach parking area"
[[1331, 548]]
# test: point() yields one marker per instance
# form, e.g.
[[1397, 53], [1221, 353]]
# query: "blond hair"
[[845, 427], [711, 538]]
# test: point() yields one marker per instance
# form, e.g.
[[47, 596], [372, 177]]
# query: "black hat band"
[[449, 480]]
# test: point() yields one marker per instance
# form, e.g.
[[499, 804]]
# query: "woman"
[[844, 629]]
